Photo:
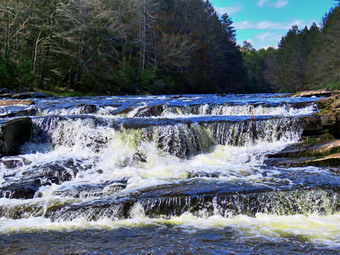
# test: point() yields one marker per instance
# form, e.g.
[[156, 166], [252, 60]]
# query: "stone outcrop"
[[321, 136], [11, 102], [307, 154], [317, 93], [327, 121]]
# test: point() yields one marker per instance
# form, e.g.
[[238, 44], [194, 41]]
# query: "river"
[[166, 175]]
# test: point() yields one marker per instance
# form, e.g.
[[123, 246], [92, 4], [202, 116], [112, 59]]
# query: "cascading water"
[[193, 164]]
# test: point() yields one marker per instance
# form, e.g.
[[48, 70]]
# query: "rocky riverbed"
[[255, 166]]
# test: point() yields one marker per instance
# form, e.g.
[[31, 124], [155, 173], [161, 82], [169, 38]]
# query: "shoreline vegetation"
[[129, 47]]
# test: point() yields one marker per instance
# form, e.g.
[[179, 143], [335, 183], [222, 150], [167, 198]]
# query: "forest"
[[306, 59], [155, 47]]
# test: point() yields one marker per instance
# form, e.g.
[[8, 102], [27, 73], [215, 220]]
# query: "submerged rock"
[[92, 190]]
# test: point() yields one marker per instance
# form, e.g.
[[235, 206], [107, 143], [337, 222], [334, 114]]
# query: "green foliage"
[[147, 81], [306, 59], [119, 46], [255, 62], [334, 85], [16, 75]]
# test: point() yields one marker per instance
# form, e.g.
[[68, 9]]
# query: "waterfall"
[[191, 162], [183, 139]]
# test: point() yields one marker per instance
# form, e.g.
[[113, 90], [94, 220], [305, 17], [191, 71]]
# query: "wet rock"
[[203, 175], [26, 95], [327, 121], [332, 160], [26, 112], [37, 176], [14, 162], [320, 124], [207, 199], [15, 133], [139, 157], [307, 149], [15, 102], [123, 110], [176, 97], [88, 109], [92, 190], [150, 111], [5, 91], [329, 103], [59, 172], [21, 191], [307, 154], [301, 105]]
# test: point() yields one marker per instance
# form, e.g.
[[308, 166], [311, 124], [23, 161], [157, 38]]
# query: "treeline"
[[119, 46], [306, 59]]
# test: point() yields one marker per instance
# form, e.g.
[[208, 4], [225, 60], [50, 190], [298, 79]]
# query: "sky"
[[264, 22]]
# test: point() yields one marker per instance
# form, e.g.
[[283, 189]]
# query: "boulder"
[[88, 109], [21, 191], [14, 134], [150, 111]]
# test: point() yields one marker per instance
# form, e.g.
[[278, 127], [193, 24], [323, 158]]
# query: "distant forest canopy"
[[119, 46], [306, 59], [154, 47]]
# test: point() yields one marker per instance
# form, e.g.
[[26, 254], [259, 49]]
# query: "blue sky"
[[264, 22]]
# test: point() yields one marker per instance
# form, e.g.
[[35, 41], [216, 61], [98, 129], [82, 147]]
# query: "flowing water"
[[165, 175]]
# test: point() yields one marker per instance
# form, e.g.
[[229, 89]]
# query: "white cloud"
[[268, 36], [265, 40], [270, 25], [250, 41], [229, 9], [280, 3], [275, 4], [261, 3]]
